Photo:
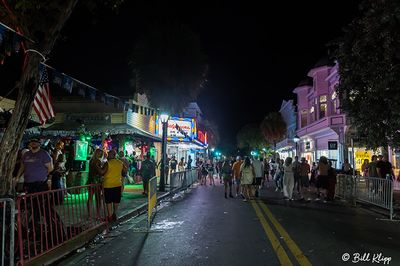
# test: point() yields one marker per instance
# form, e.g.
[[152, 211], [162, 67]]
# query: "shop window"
[[136, 108], [312, 114], [152, 112], [133, 107], [303, 118], [141, 110], [323, 107]]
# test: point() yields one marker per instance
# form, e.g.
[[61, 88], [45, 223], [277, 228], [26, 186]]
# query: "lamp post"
[[164, 120], [296, 139]]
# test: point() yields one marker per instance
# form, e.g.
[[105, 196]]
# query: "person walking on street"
[[236, 174], [296, 172], [247, 177], [226, 170], [204, 174], [288, 179], [259, 171], [96, 172], [346, 167], [148, 171], [331, 183], [113, 184], [210, 169], [266, 172], [189, 163], [173, 163], [304, 170], [124, 160], [322, 179]]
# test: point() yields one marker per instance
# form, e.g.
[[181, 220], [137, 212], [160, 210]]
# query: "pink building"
[[321, 126]]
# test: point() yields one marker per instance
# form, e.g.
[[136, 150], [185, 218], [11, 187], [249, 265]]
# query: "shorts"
[[257, 181], [322, 181], [112, 195], [304, 181]]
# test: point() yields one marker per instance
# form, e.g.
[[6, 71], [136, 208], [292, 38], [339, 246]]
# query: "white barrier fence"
[[183, 179], [375, 191]]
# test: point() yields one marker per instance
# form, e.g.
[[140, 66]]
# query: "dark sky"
[[258, 50]]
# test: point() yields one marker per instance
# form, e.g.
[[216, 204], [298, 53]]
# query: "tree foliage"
[[250, 137], [169, 66], [369, 68], [273, 128]]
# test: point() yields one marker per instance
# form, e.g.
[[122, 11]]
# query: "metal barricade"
[[372, 190], [346, 188], [376, 191], [46, 220], [7, 207], [182, 179]]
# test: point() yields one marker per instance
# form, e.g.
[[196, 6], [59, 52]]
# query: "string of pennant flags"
[[11, 43]]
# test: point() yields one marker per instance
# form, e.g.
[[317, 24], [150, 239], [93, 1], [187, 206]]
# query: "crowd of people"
[[294, 178]]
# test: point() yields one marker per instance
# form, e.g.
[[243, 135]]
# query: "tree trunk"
[[27, 88]]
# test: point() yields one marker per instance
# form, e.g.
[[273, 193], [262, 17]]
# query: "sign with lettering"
[[89, 118], [202, 137], [332, 145], [179, 128]]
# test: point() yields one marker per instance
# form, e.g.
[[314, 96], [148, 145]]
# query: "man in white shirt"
[[259, 170]]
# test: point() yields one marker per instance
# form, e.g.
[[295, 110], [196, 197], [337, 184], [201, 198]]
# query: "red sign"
[[202, 136]]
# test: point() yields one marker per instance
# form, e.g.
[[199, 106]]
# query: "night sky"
[[258, 51]]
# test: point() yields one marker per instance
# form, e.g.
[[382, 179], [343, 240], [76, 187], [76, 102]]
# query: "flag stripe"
[[42, 103]]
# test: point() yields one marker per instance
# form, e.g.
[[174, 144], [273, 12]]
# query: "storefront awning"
[[113, 129]]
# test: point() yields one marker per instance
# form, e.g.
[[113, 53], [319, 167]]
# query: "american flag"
[[42, 103]]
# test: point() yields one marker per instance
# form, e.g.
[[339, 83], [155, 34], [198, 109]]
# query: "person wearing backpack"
[[148, 171], [226, 171]]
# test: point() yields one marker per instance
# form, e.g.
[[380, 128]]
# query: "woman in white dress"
[[288, 179], [247, 176]]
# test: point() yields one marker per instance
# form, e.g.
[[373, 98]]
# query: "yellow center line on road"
[[298, 254], [276, 245]]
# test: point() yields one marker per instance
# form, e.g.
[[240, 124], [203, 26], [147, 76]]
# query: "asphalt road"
[[204, 228]]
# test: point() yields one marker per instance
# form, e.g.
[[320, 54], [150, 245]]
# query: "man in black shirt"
[[384, 167]]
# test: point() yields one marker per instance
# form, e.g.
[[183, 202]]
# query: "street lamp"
[[164, 120], [296, 139]]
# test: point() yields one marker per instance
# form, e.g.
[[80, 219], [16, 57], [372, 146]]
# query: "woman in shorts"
[[113, 184]]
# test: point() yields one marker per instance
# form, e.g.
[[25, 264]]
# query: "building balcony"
[[327, 123]]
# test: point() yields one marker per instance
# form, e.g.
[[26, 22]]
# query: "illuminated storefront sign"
[[202, 137], [361, 155], [179, 129]]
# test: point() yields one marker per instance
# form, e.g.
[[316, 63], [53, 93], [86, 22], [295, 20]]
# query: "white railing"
[[372, 190]]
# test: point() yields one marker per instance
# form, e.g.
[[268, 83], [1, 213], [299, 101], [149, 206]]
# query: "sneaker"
[[230, 195], [317, 199], [245, 200], [276, 189]]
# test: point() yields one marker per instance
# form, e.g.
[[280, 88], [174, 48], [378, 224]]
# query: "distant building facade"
[[287, 147], [321, 125]]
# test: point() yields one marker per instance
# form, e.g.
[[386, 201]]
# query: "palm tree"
[[169, 66], [273, 127]]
